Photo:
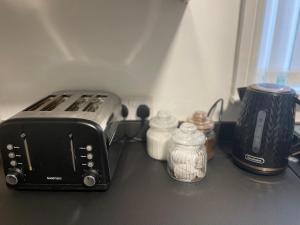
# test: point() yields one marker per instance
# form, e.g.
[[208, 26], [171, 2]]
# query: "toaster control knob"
[[10, 147], [90, 179], [11, 155], [89, 148], [13, 178], [90, 164], [13, 163], [89, 156]]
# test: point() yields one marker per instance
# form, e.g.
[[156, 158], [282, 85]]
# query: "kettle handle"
[[295, 149], [297, 100], [241, 92]]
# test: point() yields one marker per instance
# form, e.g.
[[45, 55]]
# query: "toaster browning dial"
[[13, 177], [91, 178]]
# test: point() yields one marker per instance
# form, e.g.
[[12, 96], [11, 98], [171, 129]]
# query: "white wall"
[[177, 56]]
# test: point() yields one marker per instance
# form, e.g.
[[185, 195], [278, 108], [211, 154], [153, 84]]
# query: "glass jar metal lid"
[[188, 134], [163, 120], [202, 121]]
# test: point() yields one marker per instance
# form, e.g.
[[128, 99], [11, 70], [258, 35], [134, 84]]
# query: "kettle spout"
[[241, 92]]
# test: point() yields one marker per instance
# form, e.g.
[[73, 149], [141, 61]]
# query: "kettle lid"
[[273, 88]]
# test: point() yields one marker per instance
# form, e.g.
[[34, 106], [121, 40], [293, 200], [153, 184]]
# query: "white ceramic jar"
[[187, 157], [159, 135]]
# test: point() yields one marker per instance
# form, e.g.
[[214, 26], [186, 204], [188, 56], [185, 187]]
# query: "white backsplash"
[[177, 56]]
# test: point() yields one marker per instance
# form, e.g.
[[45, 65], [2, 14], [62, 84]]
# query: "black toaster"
[[63, 142]]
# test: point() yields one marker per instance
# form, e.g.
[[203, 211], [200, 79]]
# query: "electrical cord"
[[143, 113], [136, 137], [212, 110], [133, 138], [213, 107]]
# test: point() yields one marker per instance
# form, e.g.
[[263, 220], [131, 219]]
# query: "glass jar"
[[187, 157], [210, 144], [160, 133], [206, 125]]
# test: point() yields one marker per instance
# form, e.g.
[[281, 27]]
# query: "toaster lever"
[[23, 136], [72, 152]]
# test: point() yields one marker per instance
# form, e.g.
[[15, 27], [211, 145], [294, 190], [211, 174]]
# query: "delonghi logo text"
[[254, 159], [54, 178]]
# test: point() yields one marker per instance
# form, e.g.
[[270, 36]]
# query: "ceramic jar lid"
[[202, 122], [163, 120], [189, 135]]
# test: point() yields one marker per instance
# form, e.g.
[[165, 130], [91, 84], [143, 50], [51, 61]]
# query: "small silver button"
[[89, 156], [10, 147], [89, 148], [90, 164], [11, 155], [13, 163]]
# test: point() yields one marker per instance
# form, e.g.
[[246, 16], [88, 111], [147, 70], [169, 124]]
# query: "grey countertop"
[[143, 193]]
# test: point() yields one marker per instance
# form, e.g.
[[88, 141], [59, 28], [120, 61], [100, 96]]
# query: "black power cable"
[[213, 107], [212, 110], [142, 112]]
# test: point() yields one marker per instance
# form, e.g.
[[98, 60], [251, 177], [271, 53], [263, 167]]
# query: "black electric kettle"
[[265, 128]]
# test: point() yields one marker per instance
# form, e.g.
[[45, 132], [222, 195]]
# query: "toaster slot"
[[101, 97], [40, 103], [79, 103], [72, 152], [94, 103], [23, 136], [56, 102]]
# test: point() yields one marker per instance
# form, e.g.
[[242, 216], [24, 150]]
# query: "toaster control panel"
[[14, 155], [15, 161]]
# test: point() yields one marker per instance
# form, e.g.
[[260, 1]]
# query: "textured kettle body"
[[264, 130]]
